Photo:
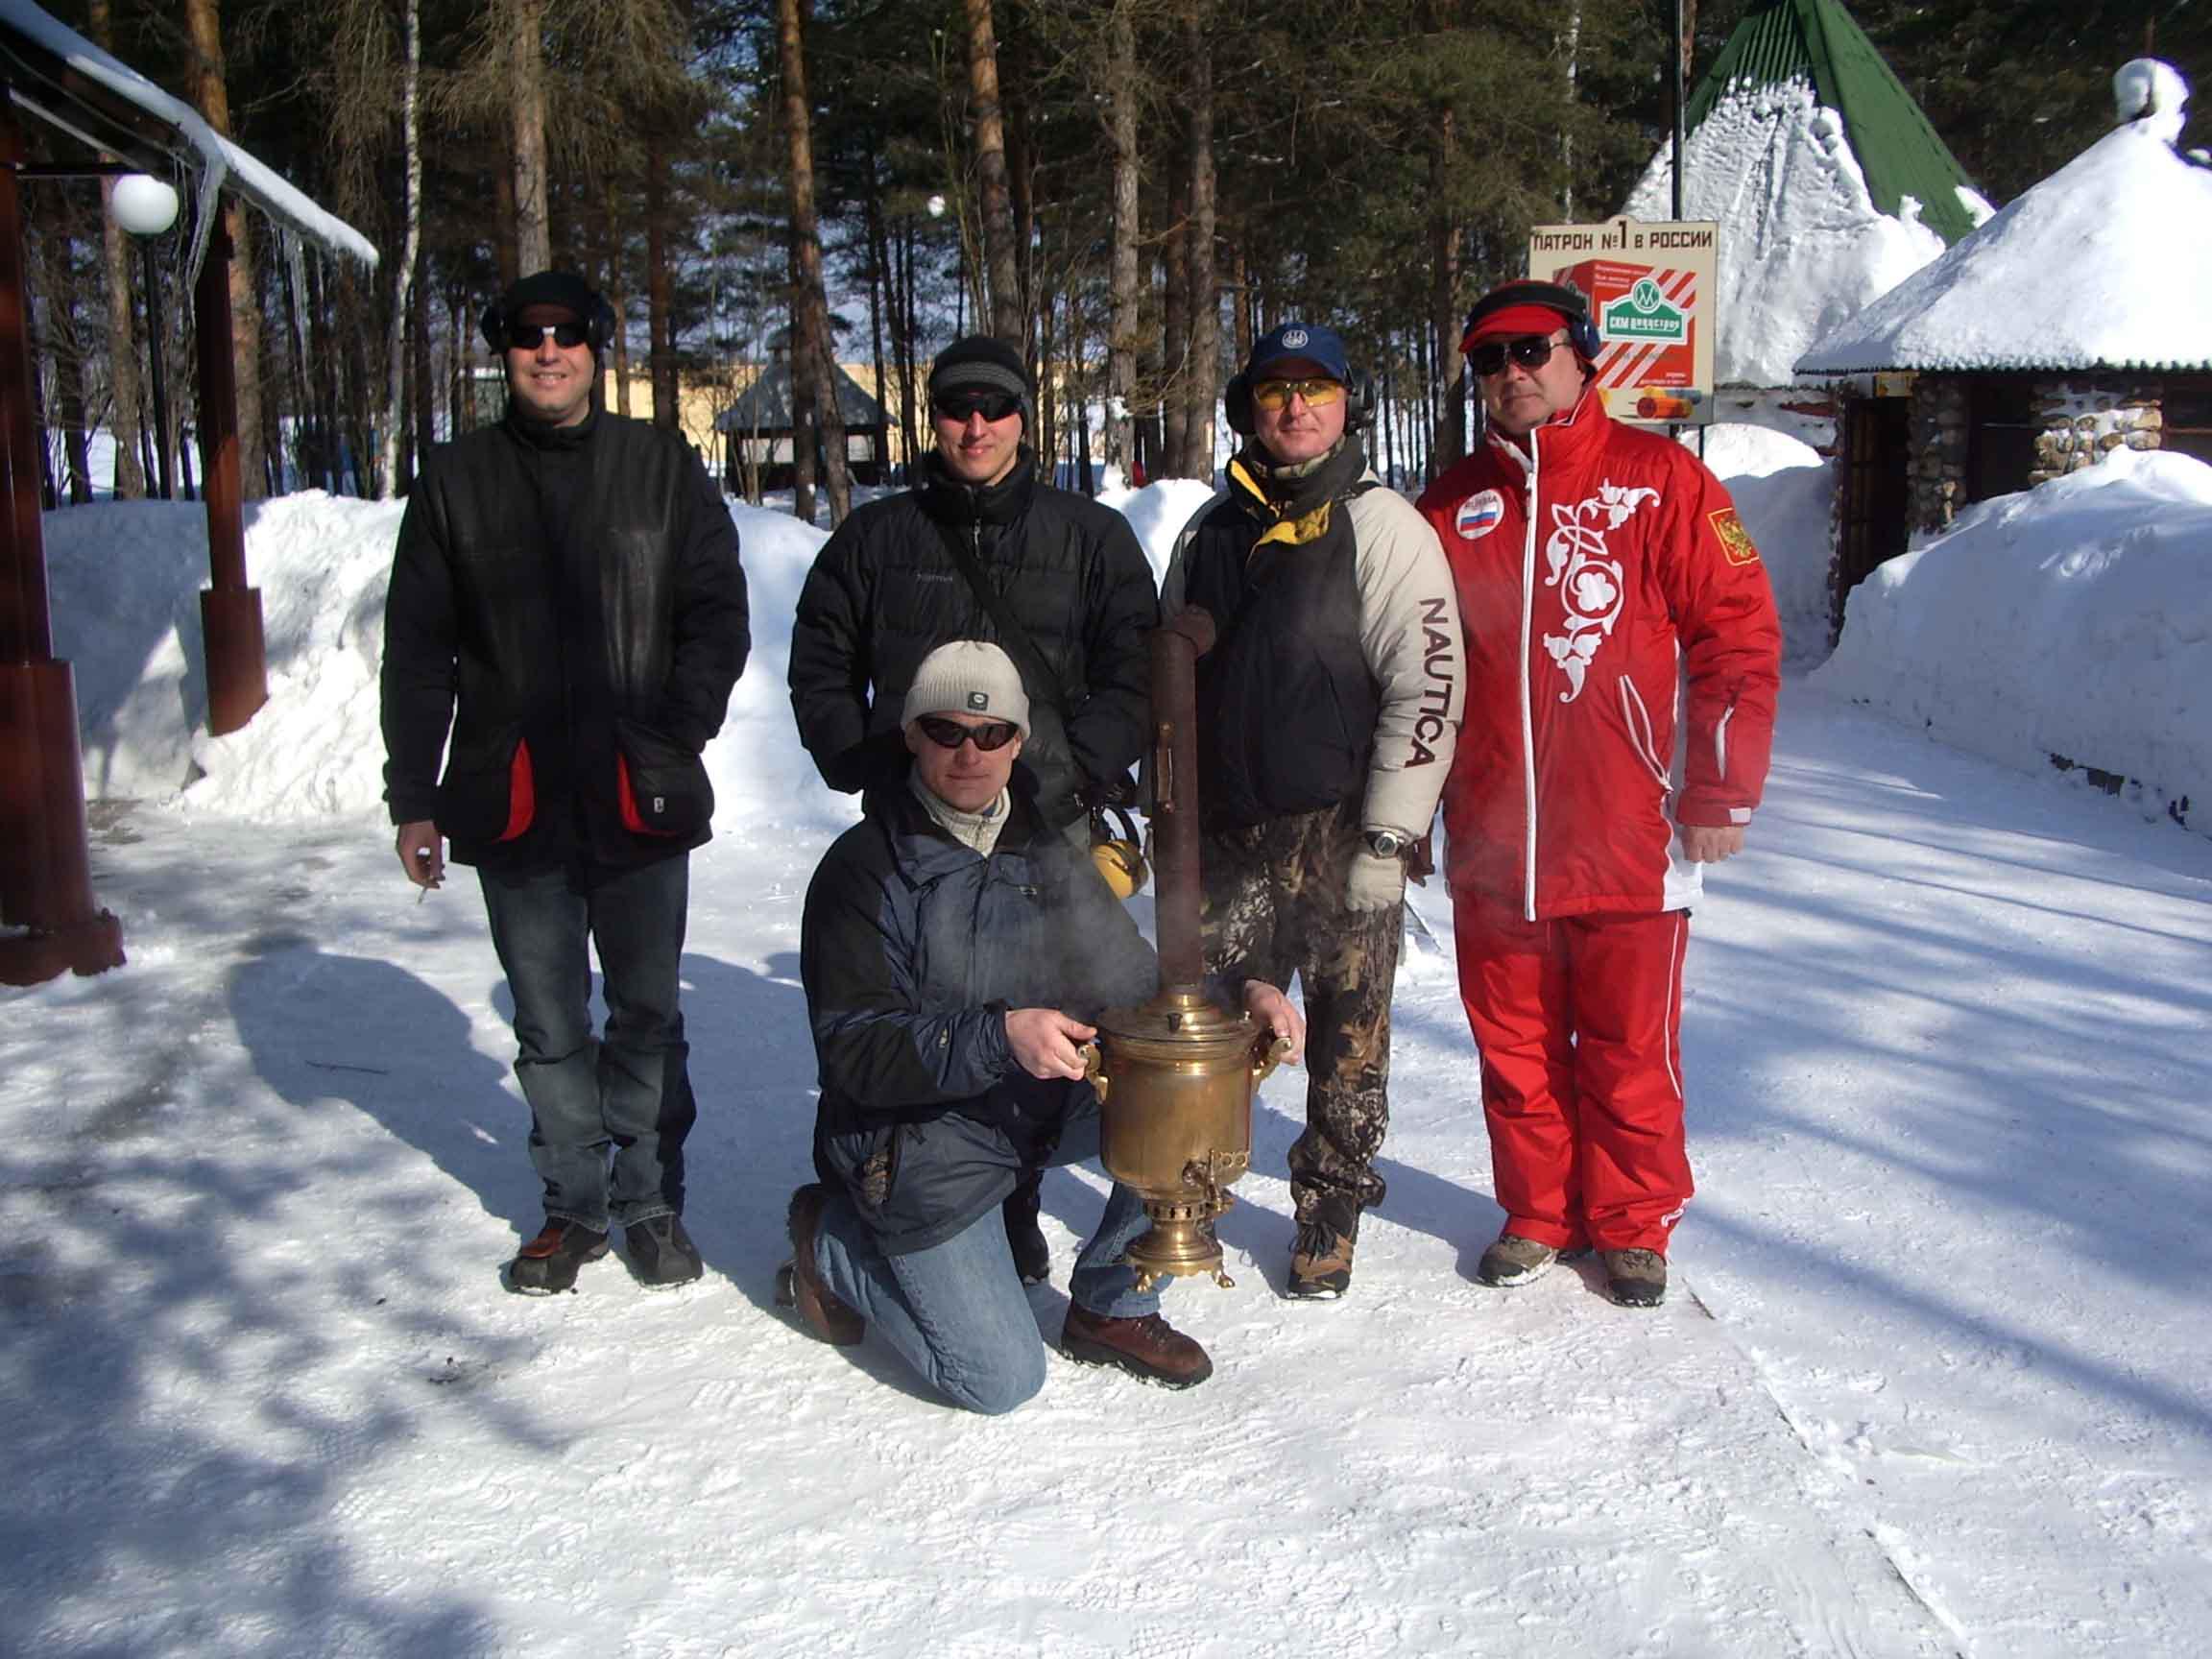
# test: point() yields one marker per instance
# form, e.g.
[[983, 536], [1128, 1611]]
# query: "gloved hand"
[[1374, 883]]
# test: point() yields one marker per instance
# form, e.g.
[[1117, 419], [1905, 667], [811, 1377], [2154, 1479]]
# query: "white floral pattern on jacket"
[[1589, 579]]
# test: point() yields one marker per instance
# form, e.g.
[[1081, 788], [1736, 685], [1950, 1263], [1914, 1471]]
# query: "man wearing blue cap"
[[1328, 709]]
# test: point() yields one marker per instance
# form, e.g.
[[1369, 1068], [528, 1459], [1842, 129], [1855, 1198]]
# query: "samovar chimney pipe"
[[1175, 652]]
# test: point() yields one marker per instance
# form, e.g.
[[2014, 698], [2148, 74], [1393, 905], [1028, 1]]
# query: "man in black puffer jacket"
[[952, 950], [566, 602], [890, 587]]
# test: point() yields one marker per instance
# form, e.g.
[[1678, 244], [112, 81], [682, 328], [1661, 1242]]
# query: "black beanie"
[[979, 360]]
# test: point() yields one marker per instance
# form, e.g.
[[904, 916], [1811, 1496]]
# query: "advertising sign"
[[1651, 288]]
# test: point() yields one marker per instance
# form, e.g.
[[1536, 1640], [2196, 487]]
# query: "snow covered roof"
[[1826, 180], [2102, 265], [1816, 42], [1803, 246], [67, 82], [765, 405]]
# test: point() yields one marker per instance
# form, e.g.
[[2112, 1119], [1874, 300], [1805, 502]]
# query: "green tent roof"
[[1816, 40]]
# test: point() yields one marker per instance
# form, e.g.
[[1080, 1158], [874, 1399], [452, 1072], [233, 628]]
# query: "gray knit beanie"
[[968, 677], [979, 360]]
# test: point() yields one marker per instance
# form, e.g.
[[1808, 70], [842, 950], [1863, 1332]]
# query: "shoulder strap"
[[1015, 637]]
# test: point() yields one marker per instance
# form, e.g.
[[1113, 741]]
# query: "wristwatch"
[[1387, 843]]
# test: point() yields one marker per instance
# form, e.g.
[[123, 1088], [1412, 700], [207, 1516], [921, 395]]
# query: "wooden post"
[[230, 611], [45, 862]]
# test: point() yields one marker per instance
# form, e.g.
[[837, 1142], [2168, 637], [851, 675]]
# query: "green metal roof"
[[1816, 40]]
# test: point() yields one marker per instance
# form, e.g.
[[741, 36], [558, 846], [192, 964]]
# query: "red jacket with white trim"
[[1597, 572]]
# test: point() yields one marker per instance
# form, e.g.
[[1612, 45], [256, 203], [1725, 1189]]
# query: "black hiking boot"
[[1032, 1256], [661, 1253], [549, 1261]]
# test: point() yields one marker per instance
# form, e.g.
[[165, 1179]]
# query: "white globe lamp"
[[143, 204]]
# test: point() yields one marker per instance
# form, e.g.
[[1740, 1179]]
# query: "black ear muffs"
[[1564, 298], [599, 326], [1360, 402], [1237, 404]]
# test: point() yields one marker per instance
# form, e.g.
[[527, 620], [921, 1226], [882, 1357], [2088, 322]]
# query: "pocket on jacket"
[[489, 791], [661, 786]]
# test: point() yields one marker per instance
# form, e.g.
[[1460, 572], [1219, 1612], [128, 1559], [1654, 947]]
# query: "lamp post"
[[146, 206]]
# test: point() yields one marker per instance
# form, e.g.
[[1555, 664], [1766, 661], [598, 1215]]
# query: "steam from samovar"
[[1175, 1077]]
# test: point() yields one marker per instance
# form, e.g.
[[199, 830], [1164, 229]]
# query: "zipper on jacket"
[[1528, 690], [1721, 733]]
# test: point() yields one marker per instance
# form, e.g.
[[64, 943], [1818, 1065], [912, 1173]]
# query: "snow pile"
[[1802, 245], [1158, 512], [2074, 619], [1784, 489], [126, 578], [2105, 263]]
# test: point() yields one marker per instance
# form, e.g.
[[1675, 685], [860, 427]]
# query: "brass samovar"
[[1175, 1077]]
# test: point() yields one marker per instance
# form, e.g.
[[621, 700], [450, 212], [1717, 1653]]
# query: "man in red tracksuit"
[[1609, 595]]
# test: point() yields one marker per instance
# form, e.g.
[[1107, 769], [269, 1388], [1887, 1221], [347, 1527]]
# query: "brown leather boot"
[[828, 1317], [1148, 1347]]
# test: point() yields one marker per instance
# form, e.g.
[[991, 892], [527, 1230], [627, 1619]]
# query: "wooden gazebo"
[[103, 116]]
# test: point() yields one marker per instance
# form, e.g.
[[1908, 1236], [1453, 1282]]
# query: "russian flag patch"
[[1479, 514]]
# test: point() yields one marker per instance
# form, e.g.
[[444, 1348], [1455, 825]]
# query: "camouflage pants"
[[1274, 905]]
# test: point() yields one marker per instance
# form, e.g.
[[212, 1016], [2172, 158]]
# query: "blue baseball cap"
[[1309, 341]]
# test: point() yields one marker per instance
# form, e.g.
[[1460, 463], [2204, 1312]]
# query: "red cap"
[[1517, 321]]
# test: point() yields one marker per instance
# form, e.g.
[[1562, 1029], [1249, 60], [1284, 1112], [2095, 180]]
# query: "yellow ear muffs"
[[1119, 858]]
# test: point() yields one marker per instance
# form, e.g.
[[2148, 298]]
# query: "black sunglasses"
[[525, 336], [961, 402], [1531, 352], [951, 733]]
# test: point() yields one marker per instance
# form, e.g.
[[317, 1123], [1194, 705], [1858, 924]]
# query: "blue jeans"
[[959, 1312], [629, 1090]]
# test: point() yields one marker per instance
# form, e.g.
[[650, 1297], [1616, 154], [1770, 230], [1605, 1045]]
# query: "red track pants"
[[1579, 1021]]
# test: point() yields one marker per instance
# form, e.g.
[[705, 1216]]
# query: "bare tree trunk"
[[1175, 328], [902, 342], [617, 291], [659, 290], [421, 401], [526, 83], [126, 421], [204, 23], [1450, 443], [403, 274], [1021, 181], [1204, 368], [1122, 327], [813, 379], [878, 279], [998, 206]]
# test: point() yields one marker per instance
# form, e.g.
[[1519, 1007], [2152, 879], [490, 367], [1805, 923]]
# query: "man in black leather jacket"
[[894, 582], [567, 606], [954, 950]]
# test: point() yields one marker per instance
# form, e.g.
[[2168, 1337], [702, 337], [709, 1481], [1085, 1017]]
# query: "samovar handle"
[[1270, 1051], [1093, 1069]]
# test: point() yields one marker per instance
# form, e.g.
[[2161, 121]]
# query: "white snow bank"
[[2073, 619], [2105, 263], [1784, 490], [1802, 245], [1158, 512], [124, 579]]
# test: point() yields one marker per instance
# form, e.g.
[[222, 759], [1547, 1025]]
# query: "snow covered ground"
[[1934, 1384]]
